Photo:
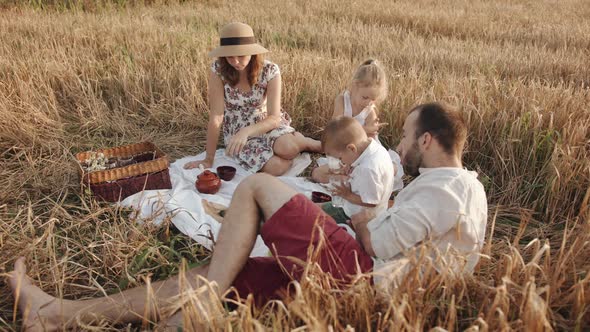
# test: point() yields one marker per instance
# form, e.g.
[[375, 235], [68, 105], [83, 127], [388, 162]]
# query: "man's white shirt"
[[446, 206]]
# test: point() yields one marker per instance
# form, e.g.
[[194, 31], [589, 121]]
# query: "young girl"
[[245, 95], [367, 89]]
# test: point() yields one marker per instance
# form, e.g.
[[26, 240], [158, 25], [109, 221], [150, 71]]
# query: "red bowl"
[[320, 197], [226, 173]]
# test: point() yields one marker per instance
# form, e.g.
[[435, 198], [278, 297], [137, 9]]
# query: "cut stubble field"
[[99, 74]]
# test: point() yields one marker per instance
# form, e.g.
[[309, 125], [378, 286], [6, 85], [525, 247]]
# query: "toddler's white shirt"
[[371, 178]]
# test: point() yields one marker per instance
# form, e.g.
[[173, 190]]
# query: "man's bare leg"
[[42, 312], [257, 197], [260, 193]]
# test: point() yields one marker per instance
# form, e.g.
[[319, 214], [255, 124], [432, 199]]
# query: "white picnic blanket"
[[183, 207]]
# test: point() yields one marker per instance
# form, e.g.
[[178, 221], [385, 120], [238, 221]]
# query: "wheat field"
[[78, 75]]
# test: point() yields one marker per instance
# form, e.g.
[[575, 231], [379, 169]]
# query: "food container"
[[226, 173], [320, 197], [129, 169], [208, 182]]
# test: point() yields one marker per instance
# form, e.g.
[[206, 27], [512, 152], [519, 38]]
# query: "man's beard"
[[413, 160]]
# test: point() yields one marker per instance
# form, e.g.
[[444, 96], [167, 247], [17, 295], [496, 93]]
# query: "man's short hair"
[[340, 132], [444, 123]]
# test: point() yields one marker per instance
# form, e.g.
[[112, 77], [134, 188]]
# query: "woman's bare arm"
[[216, 109]]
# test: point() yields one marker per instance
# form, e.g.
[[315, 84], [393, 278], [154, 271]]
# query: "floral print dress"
[[243, 109]]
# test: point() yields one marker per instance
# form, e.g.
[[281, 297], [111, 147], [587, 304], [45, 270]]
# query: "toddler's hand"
[[343, 170], [342, 187]]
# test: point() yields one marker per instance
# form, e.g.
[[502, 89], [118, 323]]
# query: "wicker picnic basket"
[[150, 171]]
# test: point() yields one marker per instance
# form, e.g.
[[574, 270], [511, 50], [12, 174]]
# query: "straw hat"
[[237, 39]]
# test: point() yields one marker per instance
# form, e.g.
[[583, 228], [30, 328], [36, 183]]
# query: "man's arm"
[[432, 211], [359, 222], [363, 236]]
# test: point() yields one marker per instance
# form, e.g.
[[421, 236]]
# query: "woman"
[[245, 95]]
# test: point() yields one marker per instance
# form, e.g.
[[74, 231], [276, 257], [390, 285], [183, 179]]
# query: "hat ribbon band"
[[236, 41]]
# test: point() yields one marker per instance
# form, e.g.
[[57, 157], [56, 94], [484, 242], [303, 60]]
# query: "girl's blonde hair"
[[371, 74]]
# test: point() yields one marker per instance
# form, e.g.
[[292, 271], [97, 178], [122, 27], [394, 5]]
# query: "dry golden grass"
[[98, 75]]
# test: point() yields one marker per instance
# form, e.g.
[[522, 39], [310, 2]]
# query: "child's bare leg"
[[321, 174], [289, 146], [277, 166], [310, 144]]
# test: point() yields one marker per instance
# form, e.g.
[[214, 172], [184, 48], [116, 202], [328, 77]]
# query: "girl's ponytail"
[[371, 74]]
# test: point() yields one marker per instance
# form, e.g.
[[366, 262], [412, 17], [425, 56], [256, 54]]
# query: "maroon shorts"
[[289, 233]]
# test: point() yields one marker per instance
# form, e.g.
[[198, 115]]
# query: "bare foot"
[[217, 211], [203, 313], [40, 311], [172, 324], [314, 145]]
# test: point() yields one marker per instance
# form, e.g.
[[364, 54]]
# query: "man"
[[444, 205]]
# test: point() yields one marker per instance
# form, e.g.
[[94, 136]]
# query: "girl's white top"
[[362, 116]]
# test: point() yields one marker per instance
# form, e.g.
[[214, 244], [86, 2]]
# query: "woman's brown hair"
[[231, 75]]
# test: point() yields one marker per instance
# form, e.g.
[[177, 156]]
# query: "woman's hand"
[[195, 164], [237, 142]]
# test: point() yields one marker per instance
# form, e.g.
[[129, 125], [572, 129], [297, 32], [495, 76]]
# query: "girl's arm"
[[272, 120], [372, 124], [338, 106], [216, 109]]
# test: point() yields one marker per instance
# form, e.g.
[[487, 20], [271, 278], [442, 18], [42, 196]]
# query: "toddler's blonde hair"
[[371, 74], [340, 132]]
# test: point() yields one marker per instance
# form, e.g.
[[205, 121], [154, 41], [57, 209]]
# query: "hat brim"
[[237, 50]]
